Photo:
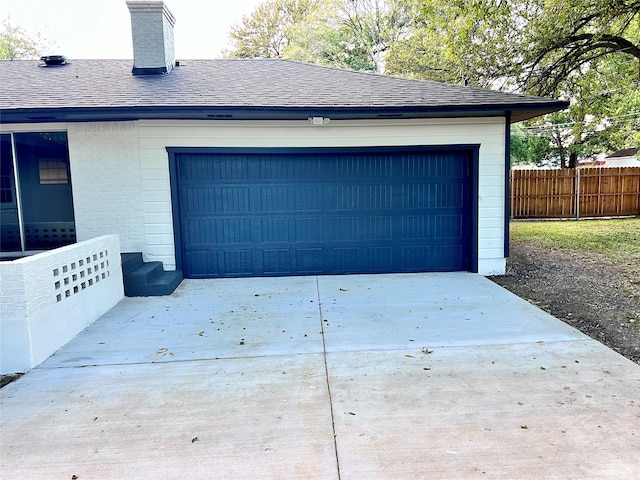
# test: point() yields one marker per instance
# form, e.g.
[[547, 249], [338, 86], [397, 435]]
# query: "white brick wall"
[[48, 298], [107, 183]]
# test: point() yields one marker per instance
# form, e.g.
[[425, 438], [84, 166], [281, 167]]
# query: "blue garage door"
[[266, 214]]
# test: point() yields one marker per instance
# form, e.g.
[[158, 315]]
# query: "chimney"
[[152, 31]]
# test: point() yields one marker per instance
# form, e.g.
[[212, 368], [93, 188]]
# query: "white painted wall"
[[106, 179], [121, 182], [50, 297]]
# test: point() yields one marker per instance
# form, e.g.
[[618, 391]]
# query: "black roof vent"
[[51, 60]]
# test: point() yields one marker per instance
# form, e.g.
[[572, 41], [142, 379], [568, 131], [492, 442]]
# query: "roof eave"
[[519, 112]]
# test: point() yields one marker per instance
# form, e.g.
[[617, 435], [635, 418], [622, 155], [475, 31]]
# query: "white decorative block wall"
[[49, 298]]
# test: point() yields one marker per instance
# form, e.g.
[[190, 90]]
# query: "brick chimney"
[[152, 30]]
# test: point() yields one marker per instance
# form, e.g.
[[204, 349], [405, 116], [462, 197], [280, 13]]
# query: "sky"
[[102, 28]]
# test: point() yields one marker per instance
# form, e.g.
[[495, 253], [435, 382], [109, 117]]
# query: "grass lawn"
[[610, 237]]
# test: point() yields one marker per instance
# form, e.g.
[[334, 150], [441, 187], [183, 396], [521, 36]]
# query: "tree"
[[580, 50], [375, 25], [16, 43], [529, 148], [345, 33], [265, 32]]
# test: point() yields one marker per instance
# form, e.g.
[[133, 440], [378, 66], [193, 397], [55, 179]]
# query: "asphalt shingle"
[[238, 84]]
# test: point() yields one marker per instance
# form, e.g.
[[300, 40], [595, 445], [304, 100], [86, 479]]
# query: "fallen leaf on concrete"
[[524, 427], [194, 439], [344, 289], [351, 413], [409, 356], [426, 350], [201, 333]]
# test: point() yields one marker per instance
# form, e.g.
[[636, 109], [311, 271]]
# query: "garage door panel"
[[362, 167], [199, 200], [280, 214], [237, 262], [275, 199], [308, 229], [232, 168], [307, 168], [446, 255], [378, 259], [376, 228], [308, 260], [344, 260], [417, 257], [201, 262], [201, 231], [276, 261], [448, 226], [234, 230], [275, 230], [307, 199], [416, 196], [346, 229], [448, 195], [235, 199], [274, 169], [416, 227]]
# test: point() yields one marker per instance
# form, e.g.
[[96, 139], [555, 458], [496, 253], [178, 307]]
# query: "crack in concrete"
[[326, 370]]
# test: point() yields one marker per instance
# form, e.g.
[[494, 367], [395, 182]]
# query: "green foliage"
[[610, 237], [528, 148], [265, 32], [586, 51], [353, 34], [16, 43], [324, 40]]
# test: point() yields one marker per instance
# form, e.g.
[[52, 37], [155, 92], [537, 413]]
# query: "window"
[[6, 170], [53, 171], [36, 198]]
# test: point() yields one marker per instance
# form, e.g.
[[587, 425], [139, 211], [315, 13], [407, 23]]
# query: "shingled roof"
[[83, 90]]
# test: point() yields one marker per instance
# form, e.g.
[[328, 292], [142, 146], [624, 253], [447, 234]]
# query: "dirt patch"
[[7, 379], [597, 295]]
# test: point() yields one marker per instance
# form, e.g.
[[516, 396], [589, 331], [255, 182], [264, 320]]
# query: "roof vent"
[[53, 60]]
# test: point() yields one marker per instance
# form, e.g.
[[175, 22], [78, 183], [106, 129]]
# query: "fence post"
[[511, 196], [577, 180]]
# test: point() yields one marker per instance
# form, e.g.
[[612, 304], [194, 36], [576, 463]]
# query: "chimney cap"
[[150, 6]]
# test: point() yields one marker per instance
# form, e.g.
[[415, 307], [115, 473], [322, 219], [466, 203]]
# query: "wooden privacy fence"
[[575, 193]]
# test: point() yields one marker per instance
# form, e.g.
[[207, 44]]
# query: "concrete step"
[[130, 261], [146, 272], [147, 279], [166, 283]]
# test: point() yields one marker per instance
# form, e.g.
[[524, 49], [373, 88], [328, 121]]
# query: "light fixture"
[[319, 120]]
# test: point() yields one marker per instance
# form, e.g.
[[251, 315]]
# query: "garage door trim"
[[472, 150]]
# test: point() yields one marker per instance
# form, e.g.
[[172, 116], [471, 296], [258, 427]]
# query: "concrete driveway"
[[425, 376]]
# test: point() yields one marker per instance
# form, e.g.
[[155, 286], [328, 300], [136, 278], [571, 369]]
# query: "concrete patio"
[[423, 376]]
